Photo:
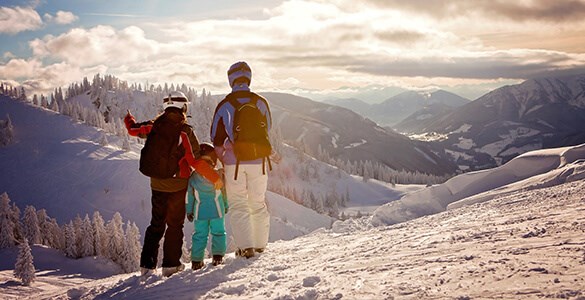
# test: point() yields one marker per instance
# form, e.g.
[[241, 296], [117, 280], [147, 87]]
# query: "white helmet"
[[176, 99]]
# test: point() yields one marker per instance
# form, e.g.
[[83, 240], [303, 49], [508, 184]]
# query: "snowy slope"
[[60, 166], [531, 170], [521, 246]]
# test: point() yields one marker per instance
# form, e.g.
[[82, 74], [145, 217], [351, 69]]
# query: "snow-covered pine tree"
[[131, 259], [87, 240], [44, 227], [77, 226], [125, 144], [22, 94], [54, 105], [57, 237], [18, 231], [30, 223], [6, 224], [44, 101], [70, 240], [115, 234], [104, 140], [99, 235], [6, 131], [24, 268]]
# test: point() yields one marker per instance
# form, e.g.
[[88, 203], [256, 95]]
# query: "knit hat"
[[239, 70], [176, 99]]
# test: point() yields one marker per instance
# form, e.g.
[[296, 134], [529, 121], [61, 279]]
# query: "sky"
[[308, 47]]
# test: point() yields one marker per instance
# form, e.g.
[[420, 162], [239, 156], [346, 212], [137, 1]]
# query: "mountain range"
[[538, 113], [347, 135], [396, 108]]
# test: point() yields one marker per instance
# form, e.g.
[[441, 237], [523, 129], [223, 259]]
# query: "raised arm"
[[140, 130]]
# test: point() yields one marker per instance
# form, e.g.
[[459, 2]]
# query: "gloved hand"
[[128, 118], [218, 184], [190, 217], [275, 157], [226, 209]]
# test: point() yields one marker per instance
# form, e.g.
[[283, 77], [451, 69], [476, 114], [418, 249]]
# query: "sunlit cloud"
[[536, 10], [16, 19], [61, 17], [101, 44], [326, 45]]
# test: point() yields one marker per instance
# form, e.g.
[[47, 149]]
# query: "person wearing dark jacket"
[[168, 194]]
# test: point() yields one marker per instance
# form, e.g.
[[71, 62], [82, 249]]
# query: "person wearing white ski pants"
[[248, 212]]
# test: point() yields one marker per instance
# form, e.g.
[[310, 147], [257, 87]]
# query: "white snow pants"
[[248, 213]]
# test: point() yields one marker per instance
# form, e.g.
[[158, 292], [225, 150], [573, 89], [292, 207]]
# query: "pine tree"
[[24, 268], [57, 237], [126, 144], [44, 227], [18, 231], [115, 234], [99, 235], [44, 101], [31, 228], [104, 140], [22, 94], [77, 227], [131, 261], [70, 240], [6, 224], [87, 240]]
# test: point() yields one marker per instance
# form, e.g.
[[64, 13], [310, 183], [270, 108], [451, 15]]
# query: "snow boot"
[[247, 253], [168, 271], [217, 260], [259, 250], [196, 265], [145, 272]]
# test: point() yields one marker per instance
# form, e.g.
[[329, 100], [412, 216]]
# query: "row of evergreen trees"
[[79, 238]]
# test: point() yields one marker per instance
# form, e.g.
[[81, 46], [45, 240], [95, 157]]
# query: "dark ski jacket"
[[191, 159]]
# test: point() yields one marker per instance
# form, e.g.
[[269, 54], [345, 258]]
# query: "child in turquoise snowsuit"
[[206, 207]]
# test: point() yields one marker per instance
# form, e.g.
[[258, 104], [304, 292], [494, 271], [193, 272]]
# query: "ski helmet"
[[239, 70], [176, 99]]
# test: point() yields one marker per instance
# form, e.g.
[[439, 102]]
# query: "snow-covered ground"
[[59, 165], [512, 232], [531, 170], [526, 245]]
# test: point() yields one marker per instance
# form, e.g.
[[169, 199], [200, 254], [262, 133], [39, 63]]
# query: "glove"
[[275, 157], [129, 118], [190, 217], [226, 210], [218, 184]]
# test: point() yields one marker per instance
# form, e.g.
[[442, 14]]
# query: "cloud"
[[16, 19], [315, 44], [40, 79], [530, 10], [493, 65], [98, 45], [61, 17], [19, 68]]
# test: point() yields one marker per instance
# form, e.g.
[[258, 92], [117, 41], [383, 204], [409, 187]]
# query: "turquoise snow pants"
[[199, 238]]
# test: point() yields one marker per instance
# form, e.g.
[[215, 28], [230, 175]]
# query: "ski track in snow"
[[525, 245]]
